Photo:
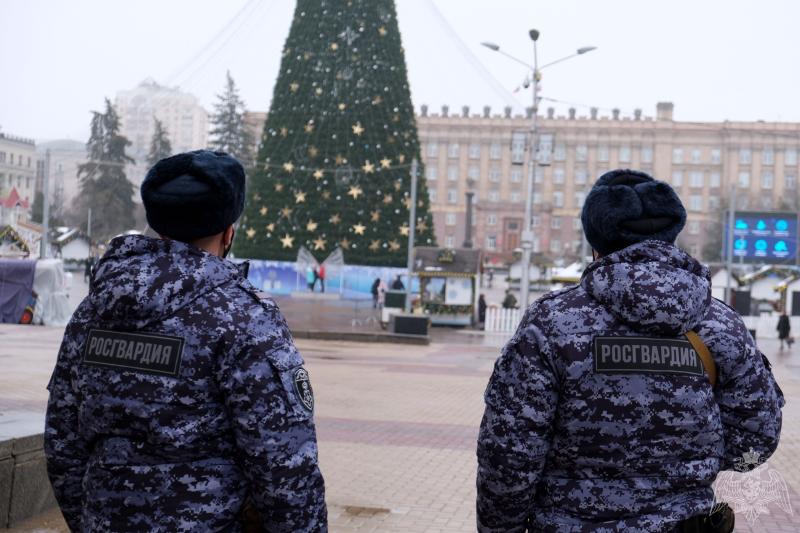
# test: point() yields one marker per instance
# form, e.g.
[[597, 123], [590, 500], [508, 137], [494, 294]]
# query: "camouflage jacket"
[[178, 394], [570, 442]]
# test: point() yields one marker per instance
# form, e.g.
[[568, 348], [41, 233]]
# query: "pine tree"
[[105, 189], [333, 163], [160, 147], [229, 131]]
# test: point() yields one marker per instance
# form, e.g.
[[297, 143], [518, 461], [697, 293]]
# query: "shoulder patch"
[[141, 352], [302, 385], [625, 354]]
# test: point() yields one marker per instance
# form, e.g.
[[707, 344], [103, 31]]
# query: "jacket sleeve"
[[263, 385], [747, 394], [515, 434], [66, 451]]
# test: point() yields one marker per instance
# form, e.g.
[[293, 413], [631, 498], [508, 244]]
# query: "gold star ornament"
[[286, 212], [278, 187], [358, 129], [319, 243], [294, 86], [311, 226], [374, 245], [368, 168], [288, 166], [394, 245], [359, 229], [375, 216], [386, 162], [250, 233], [335, 219], [318, 174], [299, 197], [271, 227], [404, 229], [355, 191], [382, 31], [263, 211], [345, 244], [287, 241]]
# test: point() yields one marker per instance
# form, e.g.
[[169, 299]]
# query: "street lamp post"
[[527, 229]]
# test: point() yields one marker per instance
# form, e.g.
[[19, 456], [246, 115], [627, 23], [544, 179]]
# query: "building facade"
[[18, 161], [65, 156], [184, 119], [704, 161]]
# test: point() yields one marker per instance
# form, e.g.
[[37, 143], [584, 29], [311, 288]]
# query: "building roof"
[[446, 262], [13, 199]]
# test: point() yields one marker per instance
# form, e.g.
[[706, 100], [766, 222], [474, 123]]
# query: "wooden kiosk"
[[449, 283]]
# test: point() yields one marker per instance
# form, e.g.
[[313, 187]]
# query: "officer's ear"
[[595, 255]]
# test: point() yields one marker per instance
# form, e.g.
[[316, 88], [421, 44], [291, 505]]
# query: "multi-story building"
[[184, 119], [704, 161], [17, 176], [65, 157]]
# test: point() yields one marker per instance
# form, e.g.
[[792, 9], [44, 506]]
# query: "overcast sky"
[[715, 59]]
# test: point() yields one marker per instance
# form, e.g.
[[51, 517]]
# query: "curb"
[[353, 336]]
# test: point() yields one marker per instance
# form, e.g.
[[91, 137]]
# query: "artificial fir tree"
[[333, 166], [105, 189], [229, 131], [160, 147]]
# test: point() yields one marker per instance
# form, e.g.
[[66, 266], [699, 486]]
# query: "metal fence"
[[502, 320]]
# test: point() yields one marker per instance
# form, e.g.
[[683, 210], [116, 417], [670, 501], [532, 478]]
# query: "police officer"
[[179, 399], [600, 414]]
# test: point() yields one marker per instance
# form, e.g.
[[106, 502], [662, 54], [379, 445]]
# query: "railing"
[[502, 320]]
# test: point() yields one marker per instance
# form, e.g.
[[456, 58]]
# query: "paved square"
[[397, 426]]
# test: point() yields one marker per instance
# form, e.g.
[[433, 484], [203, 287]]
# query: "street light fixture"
[[527, 232]]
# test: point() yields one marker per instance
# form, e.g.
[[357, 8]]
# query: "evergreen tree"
[[229, 131], [105, 189], [160, 147], [333, 163]]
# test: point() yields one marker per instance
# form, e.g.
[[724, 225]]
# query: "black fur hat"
[[628, 206], [192, 195]]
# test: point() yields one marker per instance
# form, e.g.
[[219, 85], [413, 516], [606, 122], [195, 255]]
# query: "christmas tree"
[[160, 147], [229, 132], [333, 165]]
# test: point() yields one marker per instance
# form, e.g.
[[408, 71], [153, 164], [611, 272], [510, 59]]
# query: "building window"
[[534, 221], [744, 179], [432, 195], [581, 152], [696, 179], [696, 156], [433, 149], [694, 227], [516, 175], [767, 179], [555, 246], [555, 223], [452, 173], [766, 202], [491, 220], [450, 219], [431, 173], [494, 151], [2, 157], [713, 202], [11, 159], [790, 181], [516, 197], [538, 175], [27, 183], [790, 157], [474, 151], [449, 241], [767, 156], [579, 198], [537, 198], [494, 174], [624, 154], [695, 202], [694, 250], [452, 196], [647, 154], [558, 175], [716, 156], [677, 178], [714, 179], [452, 150], [560, 152], [576, 224], [494, 196], [677, 155], [491, 242], [580, 176], [558, 199], [473, 172], [602, 152], [518, 147], [29, 162], [744, 156]]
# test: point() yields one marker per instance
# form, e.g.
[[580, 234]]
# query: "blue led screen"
[[764, 237]]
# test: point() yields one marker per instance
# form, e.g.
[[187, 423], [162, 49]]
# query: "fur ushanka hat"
[[628, 206], [192, 195]]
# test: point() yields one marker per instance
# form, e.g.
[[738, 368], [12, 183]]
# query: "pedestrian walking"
[[510, 301], [311, 277], [617, 401], [397, 284], [382, 288], [179, 401], [481, 310], [784, 330], [321, 277], [374, 291]]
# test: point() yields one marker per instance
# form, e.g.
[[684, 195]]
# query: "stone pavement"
[[397, 427]]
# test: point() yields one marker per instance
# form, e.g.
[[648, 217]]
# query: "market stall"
[[449, 282]]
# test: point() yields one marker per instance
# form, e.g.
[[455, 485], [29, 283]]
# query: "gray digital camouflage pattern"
[[135, 451], [565, 448]]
